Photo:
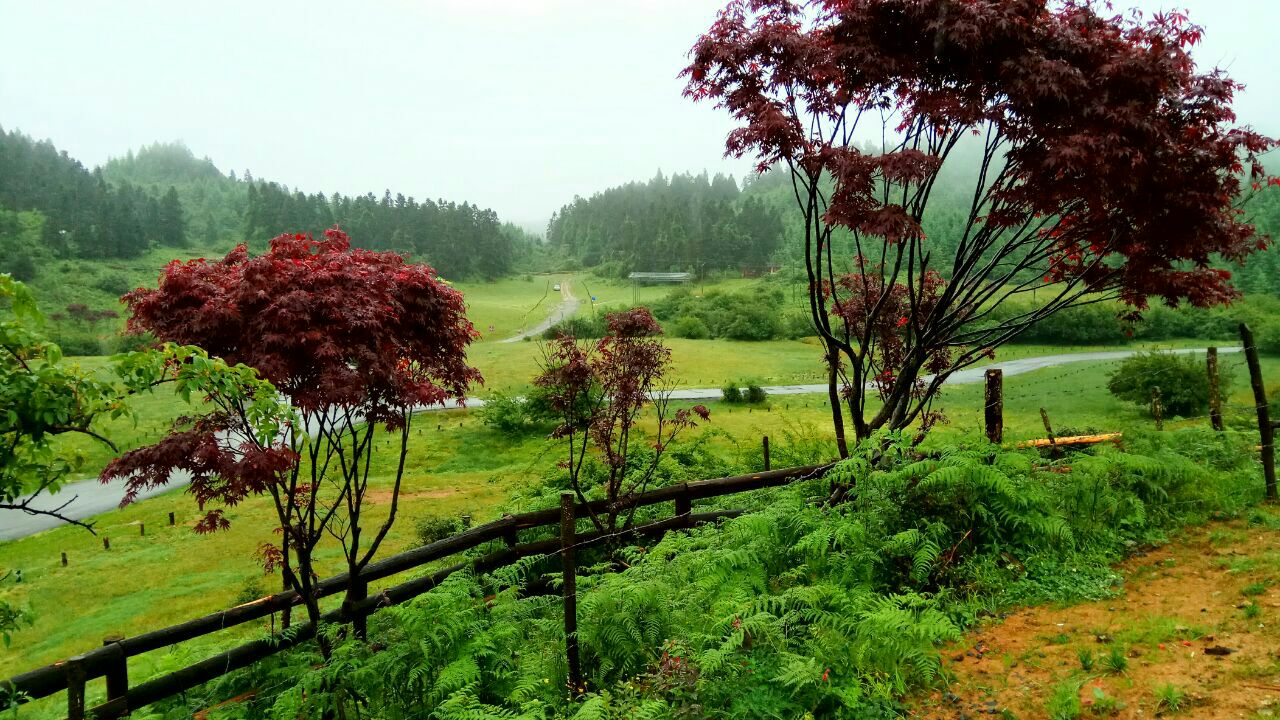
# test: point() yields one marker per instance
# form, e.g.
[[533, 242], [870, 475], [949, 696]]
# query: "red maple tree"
[[597, 391], [1110, 166], [353, 339]]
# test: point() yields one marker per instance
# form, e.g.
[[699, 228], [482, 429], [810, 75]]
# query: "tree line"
[[458, 239], [683, 223], [163, 196], [85, 215]]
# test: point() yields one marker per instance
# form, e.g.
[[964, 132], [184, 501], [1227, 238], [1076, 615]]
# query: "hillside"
[[82, 238]]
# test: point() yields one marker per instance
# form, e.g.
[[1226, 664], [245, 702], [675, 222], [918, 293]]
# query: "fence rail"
[[111, 660]]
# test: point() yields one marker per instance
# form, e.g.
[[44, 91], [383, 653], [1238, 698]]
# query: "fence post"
[[1048, 430], [1215, 389], [765, 442], [359, 621], [170, 519], [1265, 428], [568, 538], [142, 529], [117, 676], [64, 559], [994, 407], [1157, 409], [106, 543], [75, 688], [684, 505]]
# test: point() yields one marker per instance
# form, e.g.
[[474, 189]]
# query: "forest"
[[52, 208], [685, 223]]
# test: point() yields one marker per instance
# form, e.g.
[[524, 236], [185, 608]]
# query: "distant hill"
[[84, 237]]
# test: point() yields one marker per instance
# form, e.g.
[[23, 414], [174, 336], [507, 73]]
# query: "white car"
[[556, 287]]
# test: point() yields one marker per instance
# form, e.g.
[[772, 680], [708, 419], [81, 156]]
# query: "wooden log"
[[1072, 441], [993, 408], [569, 585], [1215, 389], [1266, 429]]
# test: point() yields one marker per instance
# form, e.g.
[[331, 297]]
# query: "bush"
[[79, 344], [755, 395], [1183, 382], [505, 413], [690, 327], [731, 393], [114, 283], [432, 528], [754, 315], [578, 327], [20, 265]]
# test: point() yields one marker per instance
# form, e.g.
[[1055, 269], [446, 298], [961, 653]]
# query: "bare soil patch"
[[1194, 631]]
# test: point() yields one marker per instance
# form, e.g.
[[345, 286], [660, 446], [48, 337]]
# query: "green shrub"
[[731, 393], [433, 528], [113, 283], [579, 327], [506, 413], [690, 327], [755, 395], [74, 344], [20, 265], [1181, 378]]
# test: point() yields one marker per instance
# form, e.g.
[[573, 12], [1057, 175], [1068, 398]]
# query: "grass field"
[[458, 466]]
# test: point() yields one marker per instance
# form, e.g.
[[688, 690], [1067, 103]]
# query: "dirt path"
[[1194, 624], [565, 309]]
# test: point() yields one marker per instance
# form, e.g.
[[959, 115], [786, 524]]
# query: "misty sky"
[[512, 105]]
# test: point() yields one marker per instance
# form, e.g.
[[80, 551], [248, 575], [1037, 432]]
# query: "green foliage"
[[1064, 702], [1104, 704], [690, 327], [1115, 661], [731, 393], [513, 414], [796, 607], [752, 316], [431, 528], [752, 394], [1085, 655], [1170, 698], [1181, 379], [755, 395]]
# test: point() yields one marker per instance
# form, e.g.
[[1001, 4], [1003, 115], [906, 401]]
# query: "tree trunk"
[[833, 395]]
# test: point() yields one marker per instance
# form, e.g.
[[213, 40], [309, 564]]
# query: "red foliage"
[[598, 392], [341, 332], [328, 325], [886, 317], [1107, 125]]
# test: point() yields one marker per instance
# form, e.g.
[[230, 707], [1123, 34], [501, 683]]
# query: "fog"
[[512, 105]]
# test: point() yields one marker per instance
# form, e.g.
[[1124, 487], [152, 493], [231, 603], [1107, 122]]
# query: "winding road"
[[565, 309], [89, 497]]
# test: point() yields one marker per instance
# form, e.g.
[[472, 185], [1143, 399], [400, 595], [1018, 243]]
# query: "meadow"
[[458, 466]]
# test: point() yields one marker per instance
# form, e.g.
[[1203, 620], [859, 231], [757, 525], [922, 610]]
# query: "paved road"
[[566, 309], [93, 498]]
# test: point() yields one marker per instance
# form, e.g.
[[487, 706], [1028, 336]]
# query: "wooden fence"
[[111, 661]]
